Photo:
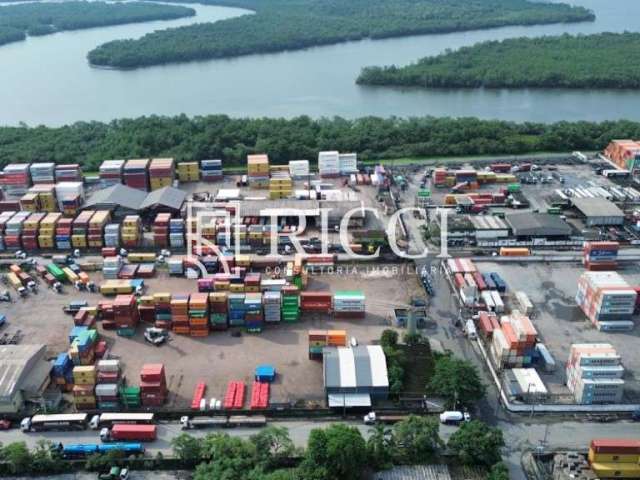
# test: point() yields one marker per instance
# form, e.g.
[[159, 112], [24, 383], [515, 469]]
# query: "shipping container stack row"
[[259, 395], [329, 164], [84, 384], [349, 304], [299, 169], [600, 256], [161, 173], [153, 385], [30, 229], [111, 173], [180, 313], [290, 304], [211, 170], [218, 316], [130, 397], [62, 372], [97, 223], [147, 309], [70, 197], [163, 310], [199, 314], [108, 385], [234, 396], [112, 235], [42, 172], [513, 343], [624, 153], [615, 458], [70, 172], [131, 232], [320, 339], [258, 171], [607, 300], [188, 171], [16, 179], [135, 174], [280, 185], [160, 230], [443, 177], [126, 316], [176, 233], [594, 373]]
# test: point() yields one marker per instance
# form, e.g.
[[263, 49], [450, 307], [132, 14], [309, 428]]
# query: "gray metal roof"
[[16, 363], [357, 367], [487, 222], [166, 197], [415, 472], [529, 224], [117, 196], [283, 207], [597, 207]]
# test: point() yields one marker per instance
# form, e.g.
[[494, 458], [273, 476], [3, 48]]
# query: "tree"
[[272, 445], [416, 439], [413, 339], [42, 461], [379, 447], [476, 443], [457, 381], [230, 458], [498, 472], [389, 338], [336, 453], [18, 457], [187, 448], [100, 462]]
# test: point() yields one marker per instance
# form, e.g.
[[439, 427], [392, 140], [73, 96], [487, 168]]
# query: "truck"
[[202, 422], [454, 417], [129, 432], [470, 329], [69, 421], [83, 450], [372, 418]]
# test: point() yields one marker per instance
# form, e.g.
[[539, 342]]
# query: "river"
[[46, 80]]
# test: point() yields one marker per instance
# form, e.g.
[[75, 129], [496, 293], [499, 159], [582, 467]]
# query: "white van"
[[454, 417], [470, 330]]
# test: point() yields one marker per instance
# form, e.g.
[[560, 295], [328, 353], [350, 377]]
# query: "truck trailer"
[[129, 432]]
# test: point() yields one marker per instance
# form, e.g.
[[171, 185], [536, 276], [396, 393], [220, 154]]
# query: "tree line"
[[231, 139], [606, 60], [18, 21], [280, 25]]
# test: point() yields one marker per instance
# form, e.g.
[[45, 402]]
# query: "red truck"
[[128, 432]]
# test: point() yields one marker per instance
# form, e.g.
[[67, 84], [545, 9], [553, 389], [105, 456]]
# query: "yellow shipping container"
[[616, 470], [161, 297], [612, 457], [71, 275], [79, 241], [142, 257]]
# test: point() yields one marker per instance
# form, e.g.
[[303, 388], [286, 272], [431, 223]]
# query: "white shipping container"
[[524, 303]]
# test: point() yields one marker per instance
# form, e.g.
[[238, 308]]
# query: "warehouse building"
[[489, 227], [355, 376], [24, 376], [164, 200], [528, 225], [119, 199], [598, 211]]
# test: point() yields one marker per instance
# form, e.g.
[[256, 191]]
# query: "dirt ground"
[[220, 357]]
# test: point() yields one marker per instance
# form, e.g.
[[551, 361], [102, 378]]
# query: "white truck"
[[454, 417]]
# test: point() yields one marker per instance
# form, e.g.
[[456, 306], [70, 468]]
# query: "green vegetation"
[[218, 136], [18, 21], [279, 25], [17, 459], [606, 60], [457, 381], [476, 443]]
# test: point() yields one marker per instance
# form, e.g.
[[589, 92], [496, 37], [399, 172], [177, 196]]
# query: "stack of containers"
[[615, 458], [348, 163], [29, 202], [111, 172], [316, 302], [329, 164], [84, 379], [258, 171], [349, 304], [254, 318], [176, 233], [63, 234], [236, 309], [4, 218], [81, 228], [153, 385], [594, 373], [599, 256], [162, 304], [180, 313], [42, 172], [439, 177], [130, 397], [218, 310], [211, 170], [175, 265], [30, 228], [46, 197], [320, 339], [147, 309], [299, 169], [16, 179], [112, 235], [95, 238], [70, 172], [513, 344], [62, 372], [13, 230], [131, 232], [280, 185], [188, 172], [161, 173], [290, 304], [108, 384], [126, 316], [111, 267], [199, 314], [136, 174], [272, 306], [161, 230], [607, 300], [70, 196]]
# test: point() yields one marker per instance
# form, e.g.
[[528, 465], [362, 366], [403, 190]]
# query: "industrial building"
[[489, 227], [355, 376], [598, 211], [24, 376], [527, 225], [122, 201]]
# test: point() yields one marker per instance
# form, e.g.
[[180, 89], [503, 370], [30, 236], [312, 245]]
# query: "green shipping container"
[[57, 272], [126, 332]]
